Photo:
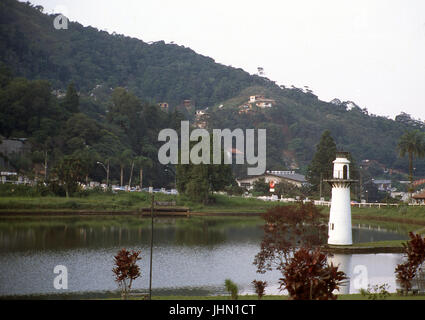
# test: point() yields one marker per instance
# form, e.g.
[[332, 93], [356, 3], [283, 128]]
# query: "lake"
[[191, 256]]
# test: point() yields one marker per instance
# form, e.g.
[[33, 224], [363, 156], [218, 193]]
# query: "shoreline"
[[110, 295], [179, 211]]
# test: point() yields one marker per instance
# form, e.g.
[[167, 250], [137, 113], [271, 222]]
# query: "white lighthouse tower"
[[340, 216]]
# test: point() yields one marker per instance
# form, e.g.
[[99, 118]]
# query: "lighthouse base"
[[340, 232]]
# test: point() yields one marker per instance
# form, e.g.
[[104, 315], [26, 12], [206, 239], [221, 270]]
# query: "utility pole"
[[150, 272], [360, 184], [45, 165], [321, 180]]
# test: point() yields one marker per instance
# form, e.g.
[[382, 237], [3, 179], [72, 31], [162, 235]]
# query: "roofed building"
[[419, 197], [275, 176]]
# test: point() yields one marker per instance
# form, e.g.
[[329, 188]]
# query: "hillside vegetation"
[[120, 79]]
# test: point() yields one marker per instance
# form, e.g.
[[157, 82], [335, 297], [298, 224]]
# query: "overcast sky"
[[368, 51]]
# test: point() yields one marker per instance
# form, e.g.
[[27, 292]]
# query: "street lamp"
[[107, 171], [360, 184]]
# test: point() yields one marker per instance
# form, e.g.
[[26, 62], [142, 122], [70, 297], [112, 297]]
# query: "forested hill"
[[33, 48], [298, 118], [159, 72]]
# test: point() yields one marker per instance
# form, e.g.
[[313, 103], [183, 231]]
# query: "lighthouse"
[[339, 229]]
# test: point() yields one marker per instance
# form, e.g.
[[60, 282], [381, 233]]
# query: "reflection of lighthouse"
[[340, 215], [343, 261]]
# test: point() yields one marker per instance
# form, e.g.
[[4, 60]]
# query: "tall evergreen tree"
[[197, 181], [71, 102], [321, 165]]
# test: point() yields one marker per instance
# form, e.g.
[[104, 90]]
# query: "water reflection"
[[190, 255], [343, 261], [365, 270]]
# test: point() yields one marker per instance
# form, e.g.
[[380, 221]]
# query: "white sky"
[[369, 51]]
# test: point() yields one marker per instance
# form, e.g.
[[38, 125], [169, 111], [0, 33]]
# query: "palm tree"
[[412, 143], [142, 162], [123, 159]]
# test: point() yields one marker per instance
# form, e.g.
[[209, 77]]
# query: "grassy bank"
[[126, 202], [413, 215], [392, 296]]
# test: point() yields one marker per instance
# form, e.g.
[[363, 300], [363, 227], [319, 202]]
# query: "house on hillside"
[[258, 101], [201, 118], [163, 106], [245, 108], [261, 102]]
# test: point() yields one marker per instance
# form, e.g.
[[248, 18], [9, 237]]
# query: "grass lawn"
[[116, 296], [125, 201]]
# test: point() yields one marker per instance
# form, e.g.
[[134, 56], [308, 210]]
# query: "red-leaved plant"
[[414, 251], [308, 276], [260, 287], [126, 269]]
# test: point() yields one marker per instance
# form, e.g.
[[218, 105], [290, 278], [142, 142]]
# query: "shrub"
[[18, 190], [376, 292], [57, 189], [414, 251], [234, 190], [307, 276]]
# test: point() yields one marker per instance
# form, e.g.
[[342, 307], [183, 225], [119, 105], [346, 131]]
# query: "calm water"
[[191, 256]]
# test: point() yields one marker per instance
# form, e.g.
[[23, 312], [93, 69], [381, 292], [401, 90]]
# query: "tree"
[[231, 288], [322, 164], [70, 171], [287, 228], [291, 244], [123, 159], [71, 101], [261, 187], [88, 158], [142, 162], [197, 181], [411, 143], [126, 269]]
